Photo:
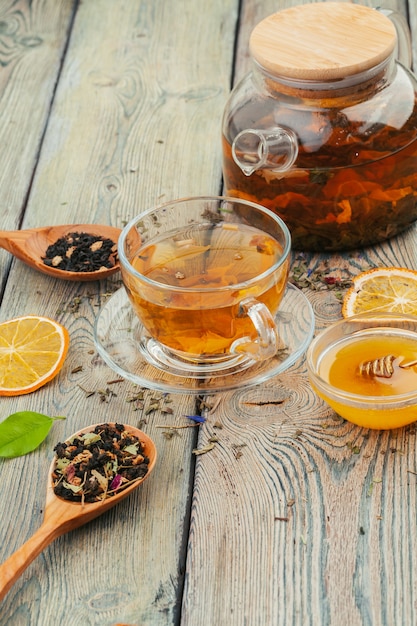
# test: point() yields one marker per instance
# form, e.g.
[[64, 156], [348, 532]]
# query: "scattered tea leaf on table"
[[204, 449], [23, 432]]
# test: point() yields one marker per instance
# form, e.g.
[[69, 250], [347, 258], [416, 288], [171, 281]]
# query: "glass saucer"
[[121, 340]]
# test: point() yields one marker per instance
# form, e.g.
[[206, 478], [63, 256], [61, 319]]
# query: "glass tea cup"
[[205, 276]]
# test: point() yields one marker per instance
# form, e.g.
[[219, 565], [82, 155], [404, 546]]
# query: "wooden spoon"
[[61, 516], [30, 246]]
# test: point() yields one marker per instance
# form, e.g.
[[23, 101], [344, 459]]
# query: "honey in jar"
[[365, 368], [342, 368], [323, 130]]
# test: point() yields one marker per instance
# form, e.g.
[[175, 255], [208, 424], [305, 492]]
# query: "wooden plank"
[[135, 120], [134, 111], [288, 452], [298, 517], [33, 37]]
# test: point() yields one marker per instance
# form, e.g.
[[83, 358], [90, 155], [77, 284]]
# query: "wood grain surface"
[[293, 517], [132, 119]]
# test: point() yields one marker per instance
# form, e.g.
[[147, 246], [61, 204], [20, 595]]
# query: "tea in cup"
[[205, 277]]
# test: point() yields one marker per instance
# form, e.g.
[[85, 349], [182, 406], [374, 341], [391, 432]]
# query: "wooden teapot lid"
[[322, 41]]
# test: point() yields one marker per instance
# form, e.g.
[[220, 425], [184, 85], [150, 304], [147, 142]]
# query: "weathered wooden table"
[[294, 517]]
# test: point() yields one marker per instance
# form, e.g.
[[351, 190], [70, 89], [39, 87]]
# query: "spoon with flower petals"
[[30, 246], [61, 515]]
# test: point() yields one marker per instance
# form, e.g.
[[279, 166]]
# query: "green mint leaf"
[[23, 432]]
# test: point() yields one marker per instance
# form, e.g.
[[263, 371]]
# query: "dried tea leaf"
[[61, 464], [132, 449], [23, 432], [102, 480], [73, 488], [96, 475], [204, 449], [90, 438]]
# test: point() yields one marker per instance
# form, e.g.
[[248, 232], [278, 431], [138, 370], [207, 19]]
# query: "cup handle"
[[265, 345]]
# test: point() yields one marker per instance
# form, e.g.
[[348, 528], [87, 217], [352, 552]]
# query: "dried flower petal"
[[196, 418], [69, 472], [116, 482]]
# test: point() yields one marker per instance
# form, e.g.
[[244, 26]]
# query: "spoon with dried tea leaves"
[[30, 246], [63, 515]]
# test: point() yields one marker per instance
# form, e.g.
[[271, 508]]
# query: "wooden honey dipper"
[[383, 367]]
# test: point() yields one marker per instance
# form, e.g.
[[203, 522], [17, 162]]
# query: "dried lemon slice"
[[32, 351], [382, 289]]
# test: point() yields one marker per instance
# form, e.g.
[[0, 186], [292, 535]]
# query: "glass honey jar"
[[323, 129]]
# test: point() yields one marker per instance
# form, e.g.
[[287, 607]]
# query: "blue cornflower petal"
[[196, 418]]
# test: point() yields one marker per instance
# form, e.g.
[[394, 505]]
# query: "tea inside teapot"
[[323, 130]]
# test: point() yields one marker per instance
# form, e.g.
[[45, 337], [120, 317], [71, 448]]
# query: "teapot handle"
[[404, 52]]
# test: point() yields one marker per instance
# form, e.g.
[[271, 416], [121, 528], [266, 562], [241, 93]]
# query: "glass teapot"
[[323, 130]]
